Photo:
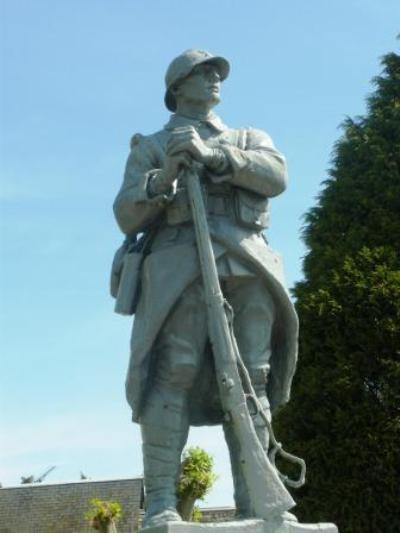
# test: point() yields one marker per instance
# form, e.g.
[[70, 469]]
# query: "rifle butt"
[[268, 494]]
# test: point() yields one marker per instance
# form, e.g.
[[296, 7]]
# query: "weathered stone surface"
[[197, 193], [243, 526]]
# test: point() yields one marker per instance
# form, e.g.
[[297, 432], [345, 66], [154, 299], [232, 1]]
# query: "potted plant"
[[195, 480], [103, 515]]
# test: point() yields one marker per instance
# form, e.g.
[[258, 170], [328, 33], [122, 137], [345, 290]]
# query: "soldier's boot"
[[164, 428]]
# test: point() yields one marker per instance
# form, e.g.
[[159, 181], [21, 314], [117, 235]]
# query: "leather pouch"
[[125, 271], [251, 210], [116, 268], [129, 283]]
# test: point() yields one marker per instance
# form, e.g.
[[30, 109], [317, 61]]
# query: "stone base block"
[[243, 526]]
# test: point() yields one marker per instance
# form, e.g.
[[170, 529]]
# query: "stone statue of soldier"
[[171, 383]]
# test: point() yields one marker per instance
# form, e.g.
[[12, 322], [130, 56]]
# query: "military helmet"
[[183, 65]]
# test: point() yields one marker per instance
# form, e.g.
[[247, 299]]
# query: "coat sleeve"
[[257, 166], [133, 208]]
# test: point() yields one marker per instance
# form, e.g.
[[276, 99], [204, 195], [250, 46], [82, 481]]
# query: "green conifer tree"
[[344, 418]]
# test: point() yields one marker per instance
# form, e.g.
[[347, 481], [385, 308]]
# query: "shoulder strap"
[[142, 244]]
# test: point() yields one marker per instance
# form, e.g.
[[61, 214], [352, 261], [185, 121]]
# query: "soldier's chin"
[[215, 99]]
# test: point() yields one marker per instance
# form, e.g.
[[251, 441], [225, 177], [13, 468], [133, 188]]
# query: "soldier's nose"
[[214, 75]]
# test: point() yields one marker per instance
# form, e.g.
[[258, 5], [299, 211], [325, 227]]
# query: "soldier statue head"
[[195, 76]]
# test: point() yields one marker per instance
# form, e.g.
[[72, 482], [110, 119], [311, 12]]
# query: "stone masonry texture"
[[61, 507]]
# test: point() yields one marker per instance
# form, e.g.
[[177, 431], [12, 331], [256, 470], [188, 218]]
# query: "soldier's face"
[[202, 86]]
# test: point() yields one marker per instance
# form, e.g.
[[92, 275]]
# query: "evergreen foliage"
[[344, 418]]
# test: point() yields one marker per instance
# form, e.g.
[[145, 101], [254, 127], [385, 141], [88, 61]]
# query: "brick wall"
[[217, 514], [60, 508]]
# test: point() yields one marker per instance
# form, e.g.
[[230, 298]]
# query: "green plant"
[[197, 515], [195, 481], [344, 418], [103, 514]]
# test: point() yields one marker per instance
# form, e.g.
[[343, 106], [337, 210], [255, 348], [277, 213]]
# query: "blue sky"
[[77, 80]]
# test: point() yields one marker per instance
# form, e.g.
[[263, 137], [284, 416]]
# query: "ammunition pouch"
[[251, 209]]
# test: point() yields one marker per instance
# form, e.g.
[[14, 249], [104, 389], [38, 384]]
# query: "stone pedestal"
[[243, 526]]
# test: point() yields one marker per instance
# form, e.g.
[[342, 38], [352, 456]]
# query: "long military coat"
[[255, 166]]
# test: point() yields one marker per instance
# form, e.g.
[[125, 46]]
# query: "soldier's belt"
[[179, 211], [246, 208]]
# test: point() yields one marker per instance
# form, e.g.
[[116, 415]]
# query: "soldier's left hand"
[[186, 139]]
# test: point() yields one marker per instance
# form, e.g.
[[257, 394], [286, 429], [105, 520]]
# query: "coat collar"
[[213, 121]]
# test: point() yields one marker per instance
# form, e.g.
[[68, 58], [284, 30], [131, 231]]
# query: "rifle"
[[267, 492]]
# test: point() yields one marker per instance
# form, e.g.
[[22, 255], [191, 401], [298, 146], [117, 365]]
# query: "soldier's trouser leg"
[[254, 313], [164, 420]]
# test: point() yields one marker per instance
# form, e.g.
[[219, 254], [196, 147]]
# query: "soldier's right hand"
[[172, 166], [161, 182]]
